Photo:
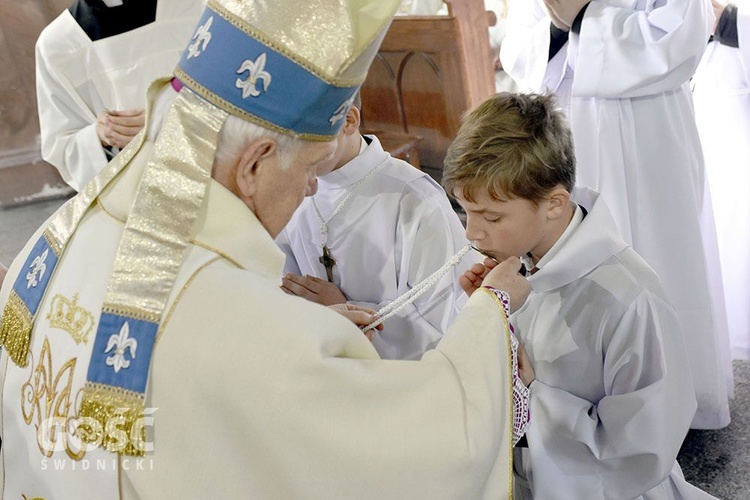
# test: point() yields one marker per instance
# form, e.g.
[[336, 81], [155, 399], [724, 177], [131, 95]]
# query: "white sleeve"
[[622, 52], [627, 441], [438, 428], [525, 49], [743, 34], [290, 264], [429, 234], [67, 125]]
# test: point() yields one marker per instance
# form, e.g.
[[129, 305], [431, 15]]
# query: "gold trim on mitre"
[[241, 113], [344, 32]]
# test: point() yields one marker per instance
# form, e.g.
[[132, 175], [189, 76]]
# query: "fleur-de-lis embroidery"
[[341, 111], [256, 71], [37, 266], [200, 39], [121, 342]]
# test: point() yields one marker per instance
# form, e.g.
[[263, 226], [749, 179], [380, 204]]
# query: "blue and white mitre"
[[293, 67]]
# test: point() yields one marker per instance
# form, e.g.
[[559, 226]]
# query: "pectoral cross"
[[328, 263]]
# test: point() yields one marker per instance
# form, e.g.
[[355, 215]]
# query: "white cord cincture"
[[404, 300]]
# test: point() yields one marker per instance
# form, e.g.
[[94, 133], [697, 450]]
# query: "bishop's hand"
[[313, 289], [506, 276], [359, 315]]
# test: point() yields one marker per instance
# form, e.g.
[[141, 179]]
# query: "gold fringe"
[[15, 334], [117, 411], [49, 237]]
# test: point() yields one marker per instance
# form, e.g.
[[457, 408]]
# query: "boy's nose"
[[473, 233]]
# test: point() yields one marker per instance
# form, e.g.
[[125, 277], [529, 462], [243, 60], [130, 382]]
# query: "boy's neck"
[[352, 146]]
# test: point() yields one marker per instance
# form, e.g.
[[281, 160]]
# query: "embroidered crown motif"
[[66, 315]]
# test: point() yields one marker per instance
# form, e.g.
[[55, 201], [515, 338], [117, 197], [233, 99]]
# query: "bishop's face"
[[281, 190], [506, 228]]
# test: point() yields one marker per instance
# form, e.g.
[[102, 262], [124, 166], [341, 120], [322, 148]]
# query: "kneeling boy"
[[613, 398]]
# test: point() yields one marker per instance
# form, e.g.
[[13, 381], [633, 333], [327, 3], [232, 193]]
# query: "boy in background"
[[375, 228]]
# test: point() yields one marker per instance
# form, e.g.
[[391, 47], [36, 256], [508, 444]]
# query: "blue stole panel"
[[122, 352]]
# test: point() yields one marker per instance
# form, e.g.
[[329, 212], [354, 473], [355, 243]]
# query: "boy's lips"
[[494, 257], [487, 253]]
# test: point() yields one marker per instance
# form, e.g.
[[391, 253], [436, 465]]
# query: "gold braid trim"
[[230, 108], [51, 240], [15, 333], [131, 312], [280, 48], [119, 415]]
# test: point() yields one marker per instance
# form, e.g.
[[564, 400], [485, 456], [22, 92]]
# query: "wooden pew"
[[429, 71]]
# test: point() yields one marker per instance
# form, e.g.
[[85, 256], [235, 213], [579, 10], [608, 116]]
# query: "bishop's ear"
[[254, 164]]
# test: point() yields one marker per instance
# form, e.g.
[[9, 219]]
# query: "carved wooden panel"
[[430, 70]]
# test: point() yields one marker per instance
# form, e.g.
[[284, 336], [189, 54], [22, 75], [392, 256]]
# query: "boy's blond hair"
[[512, 146]]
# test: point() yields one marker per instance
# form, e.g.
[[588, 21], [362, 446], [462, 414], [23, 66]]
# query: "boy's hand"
[[472, 278], [313, 289], [505, 276]]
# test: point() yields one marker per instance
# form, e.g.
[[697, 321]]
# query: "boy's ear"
[[558, 201], [252, 166]]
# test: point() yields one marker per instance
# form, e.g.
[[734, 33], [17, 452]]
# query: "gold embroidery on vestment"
[[66, 315], [46, 401]]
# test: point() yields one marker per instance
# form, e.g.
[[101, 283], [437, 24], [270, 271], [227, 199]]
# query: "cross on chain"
[[328, 263]]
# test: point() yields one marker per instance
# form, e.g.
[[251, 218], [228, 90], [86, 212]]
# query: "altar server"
[[384, 227], [93, 65], [613, 398], [721, 89]]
